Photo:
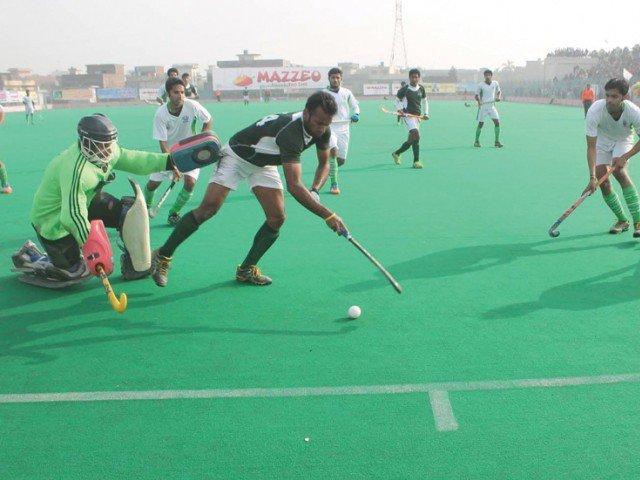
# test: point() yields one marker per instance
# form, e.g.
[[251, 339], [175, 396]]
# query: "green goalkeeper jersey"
[[60, 205]]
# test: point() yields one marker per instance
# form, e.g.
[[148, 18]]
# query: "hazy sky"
[[54, 34]]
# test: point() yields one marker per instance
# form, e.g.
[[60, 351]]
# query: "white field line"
[[438, 392]]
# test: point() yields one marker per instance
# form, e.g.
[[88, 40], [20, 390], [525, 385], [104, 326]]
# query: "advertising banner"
[[395, 86], [71, 94], [440, 87], [312, 78], [375, 89], [117, 93], [147, 93], [11, 96]]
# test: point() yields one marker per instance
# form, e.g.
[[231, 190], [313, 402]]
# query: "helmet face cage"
[[95, 151]]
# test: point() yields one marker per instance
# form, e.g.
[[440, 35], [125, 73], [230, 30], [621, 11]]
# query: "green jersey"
[[411, 98], [60, 205]]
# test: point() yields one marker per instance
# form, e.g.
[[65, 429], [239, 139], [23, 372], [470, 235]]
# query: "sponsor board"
[[116, 93], [75, 94], [312, 78], [11, 96], [375, 89], [440, 87], [147, 93], [395, 86]]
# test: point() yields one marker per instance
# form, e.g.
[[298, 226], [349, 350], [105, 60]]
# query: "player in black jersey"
[[410, 98], [253, 155], [190, 90]]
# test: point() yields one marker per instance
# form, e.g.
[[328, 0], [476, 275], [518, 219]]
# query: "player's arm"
[[401, 101], [621, 161], [293, 177], [591, 162], [1, 115], [74, 216], [195, 93], [498, 93], [591, 131], [322, 170], [164, 146], [355, 108], [204, 116], [425, 107], [142, 163]]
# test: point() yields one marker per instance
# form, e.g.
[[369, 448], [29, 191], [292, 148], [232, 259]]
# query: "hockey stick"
[[394, 283], [408, 115], [118, 304], [154, 211], [553, 231]]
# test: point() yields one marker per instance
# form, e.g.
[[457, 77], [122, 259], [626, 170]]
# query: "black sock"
[[183, 230], [405, 146], [263, 240], [416, 151]]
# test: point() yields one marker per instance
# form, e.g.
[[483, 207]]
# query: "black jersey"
[[413, 97], [190, 91], [276, 139]]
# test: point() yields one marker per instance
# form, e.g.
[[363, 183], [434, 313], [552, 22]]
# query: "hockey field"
[[509, 354]]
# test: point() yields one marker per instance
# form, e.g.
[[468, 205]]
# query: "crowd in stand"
[[609, 64]]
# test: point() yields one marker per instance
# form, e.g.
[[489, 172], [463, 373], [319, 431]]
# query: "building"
[[548, 69], [18, 79], [146, 77], [249, 60], [109, 75]]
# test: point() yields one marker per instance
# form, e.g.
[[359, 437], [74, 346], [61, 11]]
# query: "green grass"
[[487, 296]]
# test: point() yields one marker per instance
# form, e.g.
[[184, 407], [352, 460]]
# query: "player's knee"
[[341, 161], [605, 187], [276, 221], [206, 210]]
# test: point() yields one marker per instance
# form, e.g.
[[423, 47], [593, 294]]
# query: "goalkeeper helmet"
[[97, 137]]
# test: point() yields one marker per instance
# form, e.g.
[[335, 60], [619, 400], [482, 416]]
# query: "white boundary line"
[[438, 392]]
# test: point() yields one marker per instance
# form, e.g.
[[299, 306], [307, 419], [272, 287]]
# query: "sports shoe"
[[7, 190], [476, 144], [498, 145], [160, 268], [619, 227], [173, 219], [252, 274], [636, 232], [396, 158], [334, 190], [27, 256], [417, 165]]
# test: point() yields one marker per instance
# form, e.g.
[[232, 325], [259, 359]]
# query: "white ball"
[[354, 311]]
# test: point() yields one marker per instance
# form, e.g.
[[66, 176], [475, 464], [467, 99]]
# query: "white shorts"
[[168, 175], [340, 141], [606, 151], [232, 170], [411, 123], [488, 110]]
